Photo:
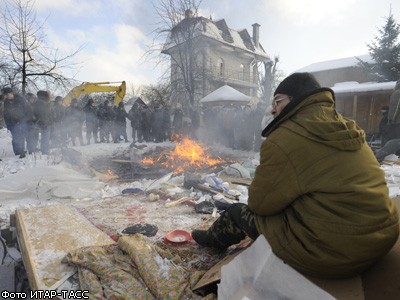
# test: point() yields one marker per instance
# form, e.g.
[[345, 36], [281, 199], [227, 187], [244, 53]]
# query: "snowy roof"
[[225, 95], [355, 87], [218, 30], [336, 63]]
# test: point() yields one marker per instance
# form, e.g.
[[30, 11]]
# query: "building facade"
[[207, 54]]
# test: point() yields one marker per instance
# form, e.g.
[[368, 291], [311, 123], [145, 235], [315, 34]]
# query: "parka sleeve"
[[275, 185]]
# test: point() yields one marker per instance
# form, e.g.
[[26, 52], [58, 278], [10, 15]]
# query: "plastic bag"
[[258, 274]]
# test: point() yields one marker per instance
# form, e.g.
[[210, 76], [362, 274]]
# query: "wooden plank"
[[237, 180], [124, 161], [214, 191], [104, 176]]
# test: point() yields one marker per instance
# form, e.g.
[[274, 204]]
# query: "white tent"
[[225, 95]]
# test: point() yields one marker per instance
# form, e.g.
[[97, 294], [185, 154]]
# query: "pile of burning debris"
[[152, 161], [187, 158]]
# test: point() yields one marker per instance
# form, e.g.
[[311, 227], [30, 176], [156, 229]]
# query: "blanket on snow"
[[133, 268]]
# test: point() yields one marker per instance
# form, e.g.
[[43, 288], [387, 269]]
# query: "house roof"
[[217, 30], [225, 95], [354, 87], [336, 63]]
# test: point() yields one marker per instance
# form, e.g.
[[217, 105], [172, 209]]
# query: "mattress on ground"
[[46, 235]]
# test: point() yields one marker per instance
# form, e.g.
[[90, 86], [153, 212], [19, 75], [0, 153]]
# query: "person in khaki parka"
[[319, 195]]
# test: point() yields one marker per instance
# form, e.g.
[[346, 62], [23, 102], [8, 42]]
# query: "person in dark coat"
[[228, 120], [210, 124], [59, 134], [146, 117], [100, 110], [106, 118], [75, 118], [195, 117], [91, 119], [120, 123], [135, 117], [32, 134], [394, 105], [157, 124], [43, 115], [166, 127], [2, 123], [383, 125], [16, 115], [242, 129], [177, 121]]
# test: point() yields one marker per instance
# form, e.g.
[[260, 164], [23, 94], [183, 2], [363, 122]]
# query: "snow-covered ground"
[[39, 180]]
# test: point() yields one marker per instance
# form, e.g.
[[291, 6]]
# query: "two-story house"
[[207, 54]]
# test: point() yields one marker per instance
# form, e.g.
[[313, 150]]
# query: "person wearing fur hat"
[[319, 196]]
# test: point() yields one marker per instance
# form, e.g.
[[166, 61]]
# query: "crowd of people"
[[234, 126], [37, 124]]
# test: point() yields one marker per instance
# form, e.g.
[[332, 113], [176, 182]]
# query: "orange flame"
[[187, 155]]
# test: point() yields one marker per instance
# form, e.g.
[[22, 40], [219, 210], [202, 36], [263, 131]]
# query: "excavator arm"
[[96, 87]]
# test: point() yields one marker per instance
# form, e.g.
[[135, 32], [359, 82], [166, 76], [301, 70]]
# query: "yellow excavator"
[[97, 87]]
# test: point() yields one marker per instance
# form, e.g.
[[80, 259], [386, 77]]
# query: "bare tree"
[[133, 90], [269, 78], [177, 28], [27, 60], [155, 95]]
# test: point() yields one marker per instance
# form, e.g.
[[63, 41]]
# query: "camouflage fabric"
[[233, 225]]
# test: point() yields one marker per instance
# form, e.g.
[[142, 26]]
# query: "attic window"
[[224, 31]]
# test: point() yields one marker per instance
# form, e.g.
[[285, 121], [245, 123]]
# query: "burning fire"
[[187, 155]]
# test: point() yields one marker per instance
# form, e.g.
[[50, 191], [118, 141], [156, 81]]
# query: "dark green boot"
[[203, 238]]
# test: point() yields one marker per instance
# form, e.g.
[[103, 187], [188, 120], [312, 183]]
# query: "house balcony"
[[245, 79]]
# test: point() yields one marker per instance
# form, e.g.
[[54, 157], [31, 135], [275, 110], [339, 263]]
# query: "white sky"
[[301, 32]]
